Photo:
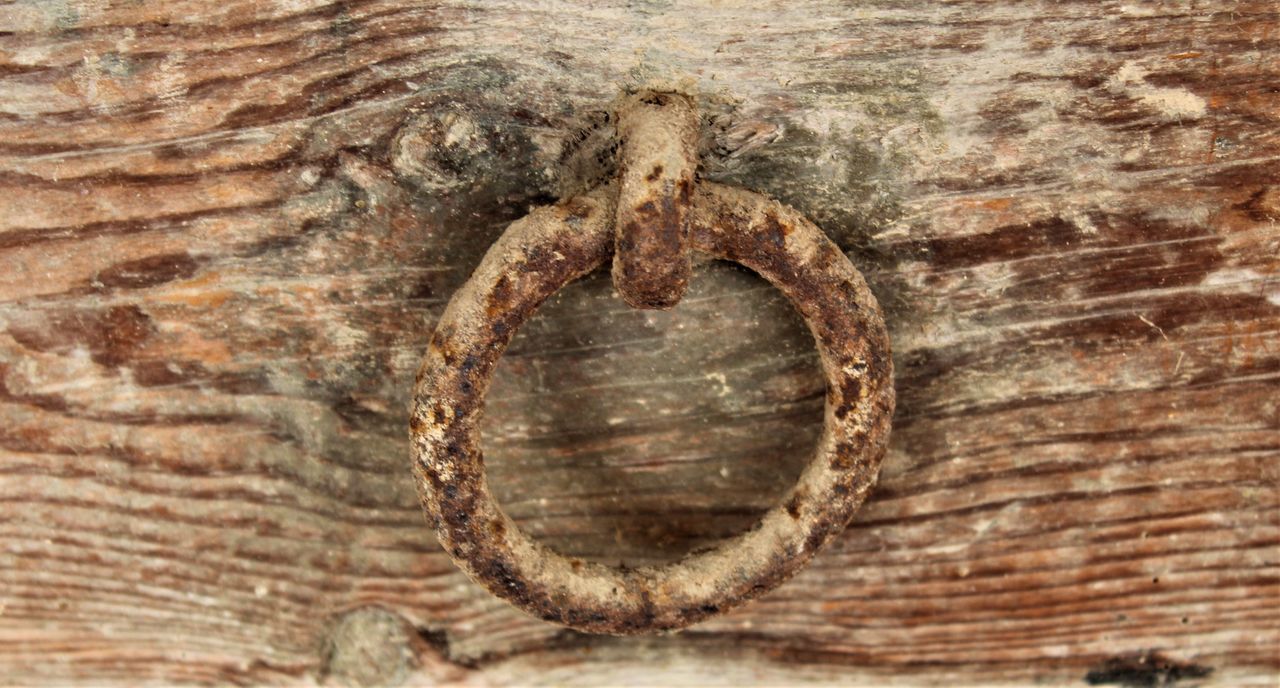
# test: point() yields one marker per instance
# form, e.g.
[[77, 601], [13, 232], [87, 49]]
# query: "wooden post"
[[227, 228]]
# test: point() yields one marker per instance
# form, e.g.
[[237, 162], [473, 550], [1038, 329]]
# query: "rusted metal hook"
[[551, 247]]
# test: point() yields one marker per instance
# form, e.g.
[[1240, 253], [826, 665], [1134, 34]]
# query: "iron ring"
[[541, 253]]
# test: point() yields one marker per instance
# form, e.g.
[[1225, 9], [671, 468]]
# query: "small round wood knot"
[[551, 247]]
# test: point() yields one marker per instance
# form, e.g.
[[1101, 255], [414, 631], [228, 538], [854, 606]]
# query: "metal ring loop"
[[537, 256]]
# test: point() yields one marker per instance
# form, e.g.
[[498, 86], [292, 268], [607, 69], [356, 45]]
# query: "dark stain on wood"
[[1146, 670]]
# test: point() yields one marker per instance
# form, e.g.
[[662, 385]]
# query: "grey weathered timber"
[[227, 229]]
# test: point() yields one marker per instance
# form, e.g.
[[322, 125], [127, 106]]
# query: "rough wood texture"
[[226, 228]]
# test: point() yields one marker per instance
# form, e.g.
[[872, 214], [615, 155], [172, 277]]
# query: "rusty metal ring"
[[551, 247]]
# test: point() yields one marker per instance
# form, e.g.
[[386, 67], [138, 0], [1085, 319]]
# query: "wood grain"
[[226, 229]]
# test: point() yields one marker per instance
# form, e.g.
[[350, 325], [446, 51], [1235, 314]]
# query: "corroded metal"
[[537, 256], [658, 158]]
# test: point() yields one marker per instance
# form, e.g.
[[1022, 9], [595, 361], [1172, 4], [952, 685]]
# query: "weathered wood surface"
[[227, 226]]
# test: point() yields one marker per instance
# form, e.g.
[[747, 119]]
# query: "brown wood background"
[[227, 226]]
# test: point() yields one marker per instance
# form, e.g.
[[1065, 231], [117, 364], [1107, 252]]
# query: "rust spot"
[[848, 452], [684, 189], [795, 503], [850, 393], [818, 536], [647, 211], [500, 297]]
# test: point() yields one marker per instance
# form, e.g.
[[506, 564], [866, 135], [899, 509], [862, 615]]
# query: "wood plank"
[[226, 229]]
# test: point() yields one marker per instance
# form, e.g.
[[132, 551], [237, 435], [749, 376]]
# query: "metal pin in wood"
[[658, 159]]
